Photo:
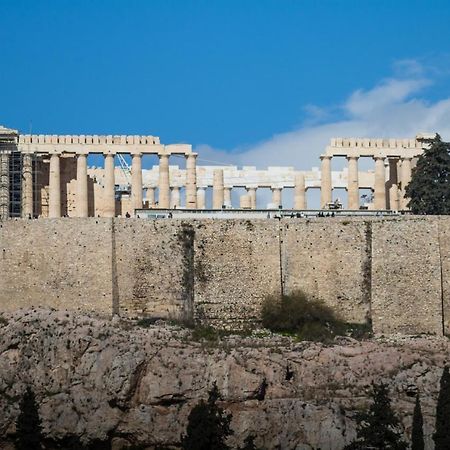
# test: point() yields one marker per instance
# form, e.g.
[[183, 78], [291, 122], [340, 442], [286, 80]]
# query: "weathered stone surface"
[[237, 264], [406, 277], [153, 268], [329, 261], [94, 377], [58, 263], [444, 255], [395, 271]]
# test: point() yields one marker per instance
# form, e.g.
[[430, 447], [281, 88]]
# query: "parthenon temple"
[[49, 176]]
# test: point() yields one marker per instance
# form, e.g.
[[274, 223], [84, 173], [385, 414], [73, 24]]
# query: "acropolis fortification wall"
[[394, 271]]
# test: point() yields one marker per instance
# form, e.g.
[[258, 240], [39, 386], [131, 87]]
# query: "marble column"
[[81, 198], [325, 181], [380, 183], [406, 178], [27, 185], [136, 181], [201, 198], [110, 184], [164, 182], [54, 188], [245, 201], [252, 194], [227, 197], [218, 194], [393, 198], [299, 191], [277, 197], [353, 182], [150, 197], [175, 197], [191, 181]]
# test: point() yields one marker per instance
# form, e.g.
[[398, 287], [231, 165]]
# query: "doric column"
[[136, 181], [227, 197], [277, 197], [150, 197], [380, 183], [218, 189], [353, 182], [299, 191], [54, 188], [393, 198], [175, 197], [164, 182], [252, 194], [109, 193], [81, 198], [406, 178], [325, 181], [191, 181], [201, 195], [27, 185], [245, 201]]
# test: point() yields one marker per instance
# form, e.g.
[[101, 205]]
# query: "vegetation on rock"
[[417, 441], [379, 427], [28, 427], [429, 188], [208, 425], [308, 319]]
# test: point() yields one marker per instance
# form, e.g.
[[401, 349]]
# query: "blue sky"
[[249, 81]]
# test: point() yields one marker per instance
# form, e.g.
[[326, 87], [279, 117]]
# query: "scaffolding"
[[8, 157]]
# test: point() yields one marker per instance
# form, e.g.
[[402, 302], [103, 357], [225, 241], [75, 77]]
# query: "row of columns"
[[396, 194], [109, 201]]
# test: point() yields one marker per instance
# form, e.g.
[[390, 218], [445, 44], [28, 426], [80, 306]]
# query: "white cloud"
[[393, 108]]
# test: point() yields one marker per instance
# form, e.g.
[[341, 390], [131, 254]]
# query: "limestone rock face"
[[98, 378]]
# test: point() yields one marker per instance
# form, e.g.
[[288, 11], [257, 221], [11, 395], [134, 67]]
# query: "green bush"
[[306, 318]]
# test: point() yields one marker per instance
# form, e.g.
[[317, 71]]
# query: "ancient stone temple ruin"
[[49, 176]]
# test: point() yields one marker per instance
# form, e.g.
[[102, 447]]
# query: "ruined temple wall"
[[329, 260], [59, 263], [406, 276]]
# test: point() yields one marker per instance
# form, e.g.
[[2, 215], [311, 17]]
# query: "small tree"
[[417, 441], [429, 188], [378, 428], [208, 425], [441, 436], [28, 427]]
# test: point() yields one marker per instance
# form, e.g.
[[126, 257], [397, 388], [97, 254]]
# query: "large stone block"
[[153, 268], [60, 263], [329, 259], [444, 254], [406, 277], [237, 264]]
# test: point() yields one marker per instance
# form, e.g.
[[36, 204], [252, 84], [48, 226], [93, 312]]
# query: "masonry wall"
[[331, 262], [237, 264], [153, 268], [395, 272], [444, 245], [406, 276], [60, 263]]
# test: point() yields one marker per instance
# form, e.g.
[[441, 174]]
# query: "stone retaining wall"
[[395, 272]]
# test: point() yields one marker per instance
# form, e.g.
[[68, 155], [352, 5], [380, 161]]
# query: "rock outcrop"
[[108, 379]]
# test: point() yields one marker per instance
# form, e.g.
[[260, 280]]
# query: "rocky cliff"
[[103, 379]]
